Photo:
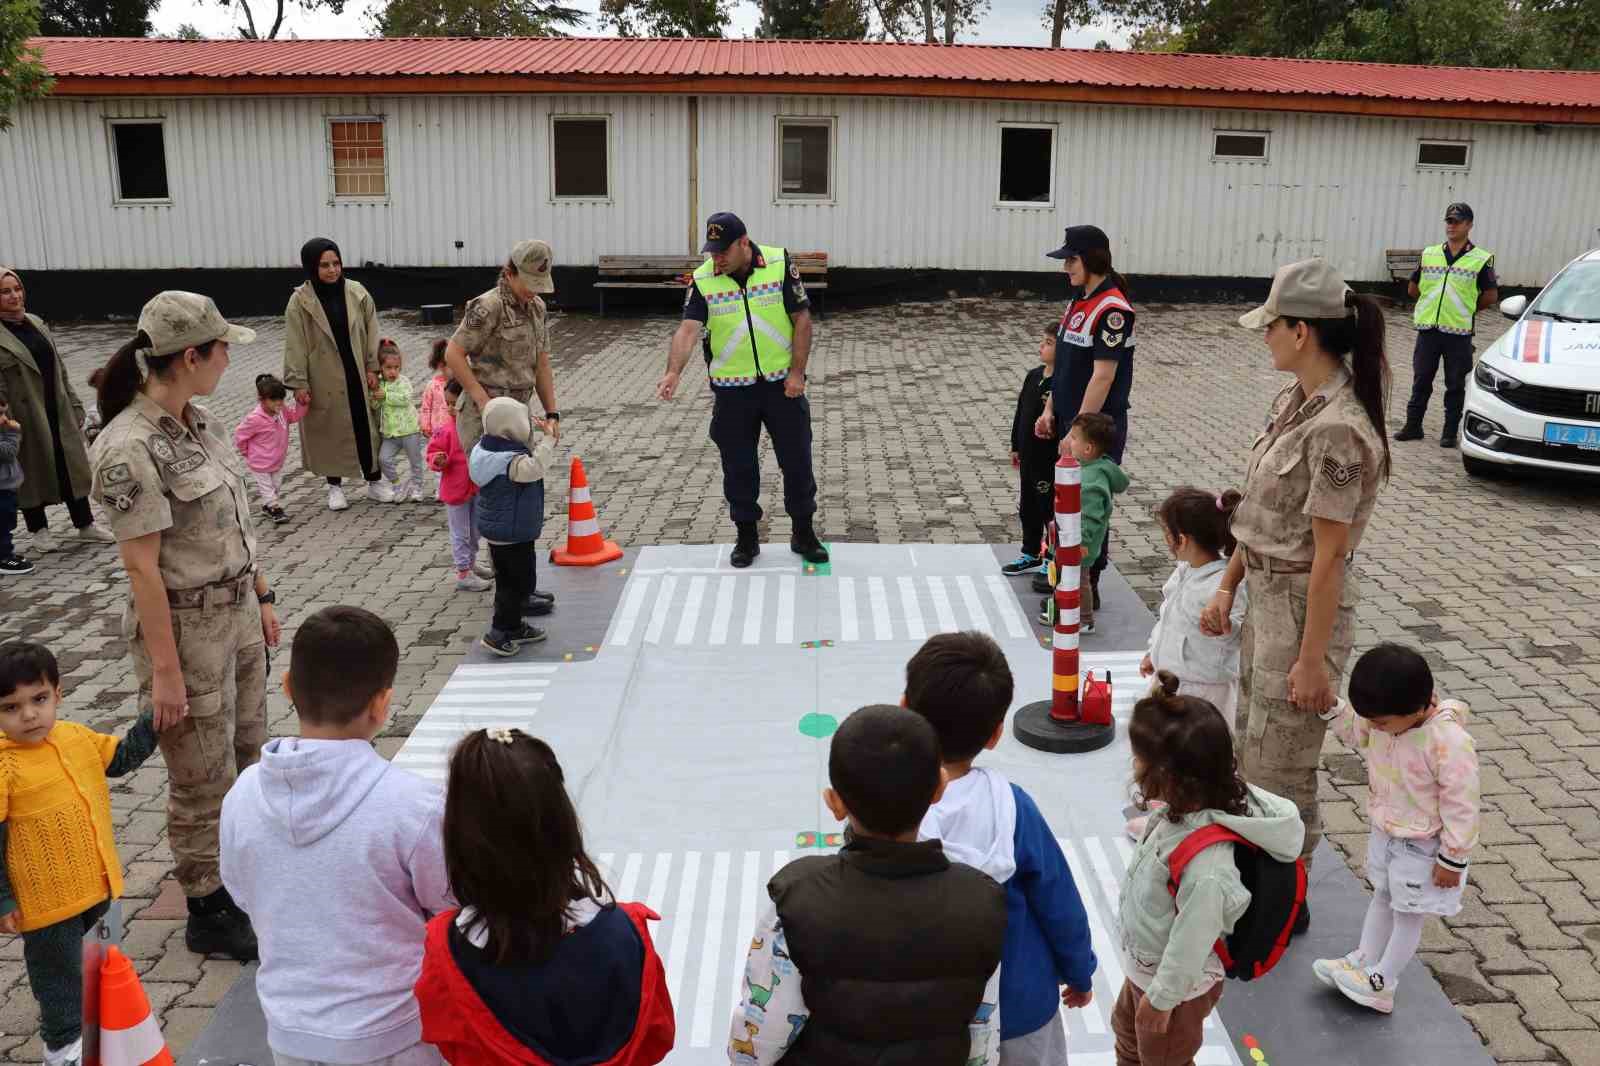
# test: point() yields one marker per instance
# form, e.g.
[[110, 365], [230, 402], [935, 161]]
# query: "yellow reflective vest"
[[751, 334], [1447, 293]]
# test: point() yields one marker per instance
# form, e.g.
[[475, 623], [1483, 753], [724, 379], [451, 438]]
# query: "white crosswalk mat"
[[709, 902], [477, 696]]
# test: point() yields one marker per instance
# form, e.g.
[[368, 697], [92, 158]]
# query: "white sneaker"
[[96, 535], [1326, 968], [1365, 987], [483, 569], [336, 500], [70, 1055], [467, 581], [401, 493], [418, 491], [380, 491]]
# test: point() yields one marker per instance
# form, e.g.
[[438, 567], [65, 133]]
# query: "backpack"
[[1277, 893]]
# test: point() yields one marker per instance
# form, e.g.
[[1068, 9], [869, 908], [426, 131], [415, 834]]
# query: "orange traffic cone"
[[586, 546], [129, 1035]]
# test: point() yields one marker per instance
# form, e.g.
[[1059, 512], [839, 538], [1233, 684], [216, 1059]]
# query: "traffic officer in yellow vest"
[[1454, 282], [751, 302]]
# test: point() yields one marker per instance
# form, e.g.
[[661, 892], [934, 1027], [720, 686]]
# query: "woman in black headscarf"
[[330, 360]]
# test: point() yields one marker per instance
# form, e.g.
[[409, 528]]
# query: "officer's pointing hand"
[[668, 385]]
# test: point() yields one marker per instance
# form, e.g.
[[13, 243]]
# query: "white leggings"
[[268, 483]]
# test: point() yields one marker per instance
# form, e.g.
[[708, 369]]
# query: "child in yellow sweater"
[[61, 868]]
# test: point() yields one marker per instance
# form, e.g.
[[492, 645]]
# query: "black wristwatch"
[[271, 596], [552, 416]]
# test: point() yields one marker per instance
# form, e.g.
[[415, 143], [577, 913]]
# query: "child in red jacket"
[[540, 966], [460, 497]]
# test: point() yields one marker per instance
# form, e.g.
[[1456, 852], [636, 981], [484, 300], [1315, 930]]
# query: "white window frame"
[[829, 122], [333, 186], [999, 164], [1443, 166], [611, 169], [1266, 146], [117, 199]]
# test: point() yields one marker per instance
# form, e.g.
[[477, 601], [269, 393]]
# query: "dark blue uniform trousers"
[[1455, 351], [737, 415]]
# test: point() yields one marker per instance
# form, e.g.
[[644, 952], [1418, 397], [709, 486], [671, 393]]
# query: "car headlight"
[[1493, 380]]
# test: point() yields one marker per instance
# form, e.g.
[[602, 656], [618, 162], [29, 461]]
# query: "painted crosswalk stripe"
[[941, 605], [503, 670], [691, 610], [1105, 946], [785, 629], [1104, 872], [748, 879], [716, 916], [630, 877], [658, 881], [682, 923], [849, 626], [752, 610], [638, 589], [969, 596], [722, 613], [1006, 603], [878, 600], [451, 697], [658, 618], [908, 603]]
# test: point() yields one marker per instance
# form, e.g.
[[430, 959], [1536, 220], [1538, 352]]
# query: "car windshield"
[[1575, 294]]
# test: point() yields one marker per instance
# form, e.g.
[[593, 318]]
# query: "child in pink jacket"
[[460, 497], [436, 408], [263, 439], [1422, 769]]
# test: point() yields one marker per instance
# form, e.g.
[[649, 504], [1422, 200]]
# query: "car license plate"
[[1577, 436]]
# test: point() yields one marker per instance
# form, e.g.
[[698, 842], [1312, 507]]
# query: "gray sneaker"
[[467, 581]]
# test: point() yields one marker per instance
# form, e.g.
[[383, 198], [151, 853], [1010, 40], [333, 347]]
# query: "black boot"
[[547, 597], [804, 542], [1302, 921], [1409, 431], [747, 547], [1041, 582], [218, 927], [538, 605]]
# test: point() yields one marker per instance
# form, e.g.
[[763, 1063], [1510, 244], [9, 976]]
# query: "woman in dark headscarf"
[[35, 386], [330, 360]]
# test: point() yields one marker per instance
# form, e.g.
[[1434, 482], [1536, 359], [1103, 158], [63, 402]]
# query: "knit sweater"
[[435, 405], [10, 466], [398, 415], [55, 819]]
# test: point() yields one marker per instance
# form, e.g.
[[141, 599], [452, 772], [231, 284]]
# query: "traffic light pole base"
[[1034, 727]]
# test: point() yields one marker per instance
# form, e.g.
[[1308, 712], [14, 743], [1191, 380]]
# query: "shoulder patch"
[[1110, 339], [1115, 320], [122, 500], [1340, 475], [116, 475], [171, 427], [162, 449], [477, 314]]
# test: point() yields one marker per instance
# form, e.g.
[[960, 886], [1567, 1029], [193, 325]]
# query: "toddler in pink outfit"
[[436, 408], [263, 439], [460, 497], [1422, 769]]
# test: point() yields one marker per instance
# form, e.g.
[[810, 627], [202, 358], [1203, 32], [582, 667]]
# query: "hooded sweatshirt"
[[1102, 479], [1166, 944], [986, 822], [337, 857], [509, 469]]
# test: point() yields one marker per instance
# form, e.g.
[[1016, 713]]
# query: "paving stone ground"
[[1495, 580]]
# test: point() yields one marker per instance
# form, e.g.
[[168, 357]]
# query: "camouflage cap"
[[176, 320], [1307, 289], [534, 261]]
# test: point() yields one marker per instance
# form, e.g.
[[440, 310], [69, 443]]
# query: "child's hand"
[[436, 461], [1016, 459], [1149, 1020], [1446, 878], [545, 426], [1075, 999], [1146, 667], [8, 924]]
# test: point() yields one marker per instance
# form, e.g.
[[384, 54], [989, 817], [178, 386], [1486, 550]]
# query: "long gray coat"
[[311, 361], [22, 385]]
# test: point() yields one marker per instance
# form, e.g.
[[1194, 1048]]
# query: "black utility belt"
[[228, 593]]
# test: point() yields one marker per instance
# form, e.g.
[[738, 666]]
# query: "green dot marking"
[[818, 725]]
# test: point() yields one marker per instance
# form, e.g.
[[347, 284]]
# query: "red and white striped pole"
[[1068, 559]]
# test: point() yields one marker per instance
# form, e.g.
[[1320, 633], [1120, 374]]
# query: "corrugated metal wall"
[[915, 185]]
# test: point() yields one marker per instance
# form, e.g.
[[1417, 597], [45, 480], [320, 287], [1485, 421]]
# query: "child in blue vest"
[[961, 683], [508, 469]]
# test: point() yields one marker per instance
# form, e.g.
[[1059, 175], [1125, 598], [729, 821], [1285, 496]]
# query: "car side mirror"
[[1513, 306]]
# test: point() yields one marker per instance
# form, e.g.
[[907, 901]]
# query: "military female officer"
[[200, 610], [1312, 480]]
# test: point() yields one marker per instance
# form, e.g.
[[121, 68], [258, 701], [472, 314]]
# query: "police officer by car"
[[1454, 281], [749, 301], [200, 612], [1310, 486]]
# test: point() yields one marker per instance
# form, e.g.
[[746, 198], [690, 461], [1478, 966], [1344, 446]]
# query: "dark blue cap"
[[1458, 212], [1080, 239], [722, 229]]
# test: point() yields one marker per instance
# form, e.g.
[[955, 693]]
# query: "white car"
[[1534, 397]]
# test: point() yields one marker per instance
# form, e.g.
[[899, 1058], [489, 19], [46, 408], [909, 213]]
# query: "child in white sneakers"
[[1422, 769], [398, 425]]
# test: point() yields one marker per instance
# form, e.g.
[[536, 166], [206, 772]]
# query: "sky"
[[1008, 21]]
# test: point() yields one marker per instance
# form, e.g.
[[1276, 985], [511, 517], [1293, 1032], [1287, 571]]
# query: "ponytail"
[[1205, 518], [122, 376], [1359, 335]]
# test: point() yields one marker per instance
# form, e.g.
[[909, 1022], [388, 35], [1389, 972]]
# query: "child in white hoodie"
[[338, 858]]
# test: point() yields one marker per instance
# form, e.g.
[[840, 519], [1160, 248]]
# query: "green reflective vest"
[[1447, 293], [751, 335]]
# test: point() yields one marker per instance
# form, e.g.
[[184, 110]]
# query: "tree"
[[814, 20], [95, 18], [927, 20], [22, 73], [474, 18], [252, 31], [665, 18], [1157, 37], [188, 32]]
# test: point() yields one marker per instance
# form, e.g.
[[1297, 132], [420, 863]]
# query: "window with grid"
[[360, 166]]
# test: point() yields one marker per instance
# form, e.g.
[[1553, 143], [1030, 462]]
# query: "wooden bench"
[[674, 271], [1402, 262]]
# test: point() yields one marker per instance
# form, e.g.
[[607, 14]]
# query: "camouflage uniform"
[[505, 338], [182, 479], [1318, 458]]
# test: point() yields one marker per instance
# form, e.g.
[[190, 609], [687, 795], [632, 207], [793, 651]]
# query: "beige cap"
[[176, 320], [534, 260], [1307, 289]]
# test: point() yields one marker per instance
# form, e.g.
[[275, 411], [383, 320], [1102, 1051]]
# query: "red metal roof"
[[918, 66]]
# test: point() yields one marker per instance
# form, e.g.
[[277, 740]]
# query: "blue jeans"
[[8, 522]]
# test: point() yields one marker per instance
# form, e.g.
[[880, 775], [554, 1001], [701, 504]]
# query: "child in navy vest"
[[508, 469]]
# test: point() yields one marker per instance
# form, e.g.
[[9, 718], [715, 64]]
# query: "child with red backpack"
[[540, 964], [1185, 899]]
